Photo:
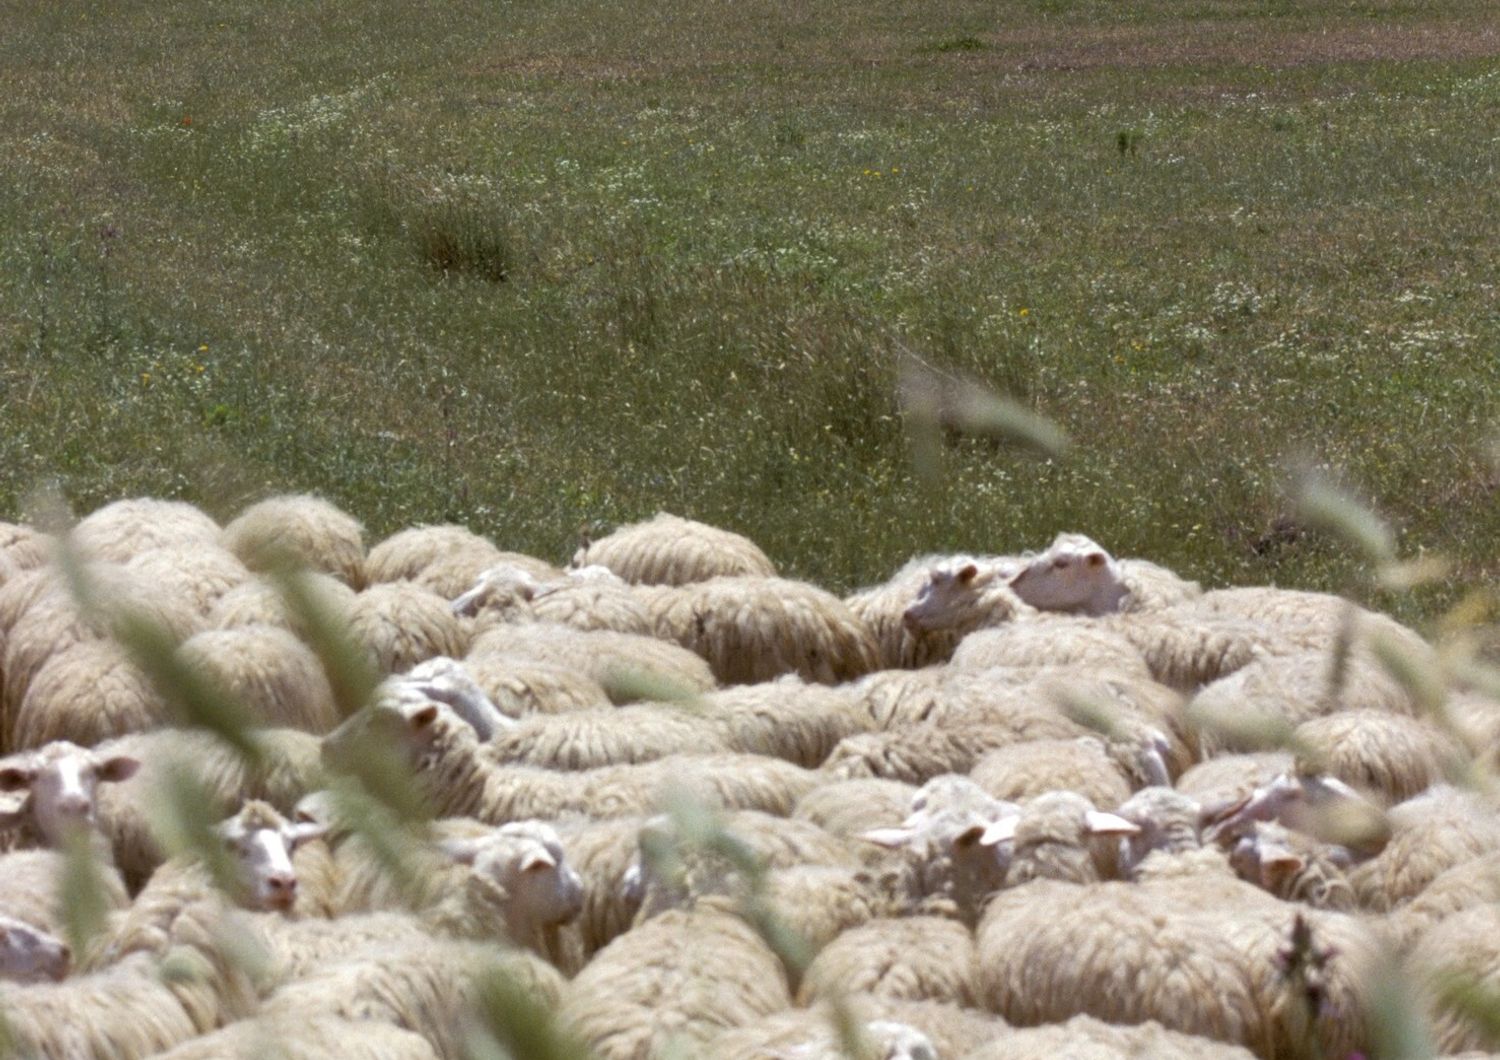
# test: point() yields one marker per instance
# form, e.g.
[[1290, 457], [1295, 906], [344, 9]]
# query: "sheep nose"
[[281, 889], [73, 806], [909, 620]]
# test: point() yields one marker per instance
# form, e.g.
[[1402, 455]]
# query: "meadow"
[[542, 268]]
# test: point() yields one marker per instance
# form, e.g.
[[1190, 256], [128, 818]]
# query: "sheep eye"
[[1061, 561]]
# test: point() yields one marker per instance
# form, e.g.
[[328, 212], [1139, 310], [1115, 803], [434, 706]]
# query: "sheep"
[[406, 554], [1466, 885], [914, 754], [1244, 709], [1457, 963], [895, 1028], [450, 576], [462, 779], [1076, 575], [87, 693], [1020, 771], [1230, 778], [1292, 866], [519, 687], [628, 667], [449, 681], [1186, 649], [260, 603], [1295, 621], [1051, 641], [19, 592], [1430, 833], [124, 529], [786, 718], [34, 880], [498, 595], [1392, 756], [595, 738], [289, 767], [430, 987], [1159, 950], [302, 1036], [682, 976], [197, 575], [753, 629], [128, 1011], [519, 869], [61, 782], [912, 957], [29, 954], [849, 807], [401, 624], [965, 595], [592, 603], [304, 529], [259, 843], [54, 622], [882, 608], [668, 550], [955, 841], [1051, 838], [275, 677], [1085, 1038], [606, 856], [24, 547]]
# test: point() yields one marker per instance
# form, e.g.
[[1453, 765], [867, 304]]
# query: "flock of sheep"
[[1055, 804]]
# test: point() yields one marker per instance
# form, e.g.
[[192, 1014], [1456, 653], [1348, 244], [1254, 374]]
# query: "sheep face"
[[260, 843], [502, 589], [444, 680], [60, 782], [948, 597], [1074, 574], [1052, 838], [28, 954], [526, 859]]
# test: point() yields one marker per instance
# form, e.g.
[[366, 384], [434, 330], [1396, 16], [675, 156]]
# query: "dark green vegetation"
[[531, 265]]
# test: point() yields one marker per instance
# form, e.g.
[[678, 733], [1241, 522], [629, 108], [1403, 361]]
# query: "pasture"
[[535, 267]]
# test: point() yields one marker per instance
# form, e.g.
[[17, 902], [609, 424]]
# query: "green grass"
[[534, 267]]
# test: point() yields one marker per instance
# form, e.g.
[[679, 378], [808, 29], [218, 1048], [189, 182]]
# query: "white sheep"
[[850, 807], [25, 547], [668, 550], [198, 575], [1430, 833], [965, 594], [753, 629], [1457, 960], [451, 575], [1054, 838], [1051, 641], [304, 1036], [87, 693], [1185, 648], [260, 603], [275, 677], [58, 787], [1084, 1036], [303, 529], [1391, 756], [1021, 771], [519, 687], [628, 667], [1076, 575], [1468, 884], [591, 603], [1232, 778], [29, 954], [803, 1035], [448, 681], [787, 718], [683, 976], [1296, 621], [402, 624], [407, 553], [882, 608], [614, 736], [35, 881], [122, 530], [911, 957]]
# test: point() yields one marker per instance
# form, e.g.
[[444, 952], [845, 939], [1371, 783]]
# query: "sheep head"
[[58, 783]]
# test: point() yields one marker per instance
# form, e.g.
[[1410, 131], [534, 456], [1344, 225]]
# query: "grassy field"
[[535, 266]]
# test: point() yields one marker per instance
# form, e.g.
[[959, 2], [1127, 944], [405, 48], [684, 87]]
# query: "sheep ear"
[[1100, 823], [463, 851], [421, 719], [16, 778], [117, 768], [1219, 812], [970, 836], [889, 837], [967, 574], [537, 859], [1001, 831], [1096, 559]]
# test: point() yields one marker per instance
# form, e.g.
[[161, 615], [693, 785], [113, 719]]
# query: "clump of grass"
[[966, 43], [454, 228]]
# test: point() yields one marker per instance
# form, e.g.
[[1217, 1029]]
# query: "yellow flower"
[[203, 348], [198, 368], [1023, 312], [145, 378]]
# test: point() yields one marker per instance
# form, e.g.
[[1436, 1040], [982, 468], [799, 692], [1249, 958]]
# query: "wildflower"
[[203, 348], [145, 379], [199, 369], [1023, 312], [187, 121]]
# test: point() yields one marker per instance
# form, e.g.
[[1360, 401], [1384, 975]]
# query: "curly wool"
[[614, 736], [453, 575], [307, 1037], [1431, 833], [753, 629], [407, 553], [668, 550], [1085, 1038], [520, 687], [87, 693], [882, 609], [850, 807], [592, 604], [1393, 756], [276, 677], [124, 529], [33, 888], [920, 957], [786, 718], [197, 575], [307, 529], [1020, 771], [25, 547], [259, 603], [1052, 640], [684, 976], [1186, 649], [402, 624], [628, 667]]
